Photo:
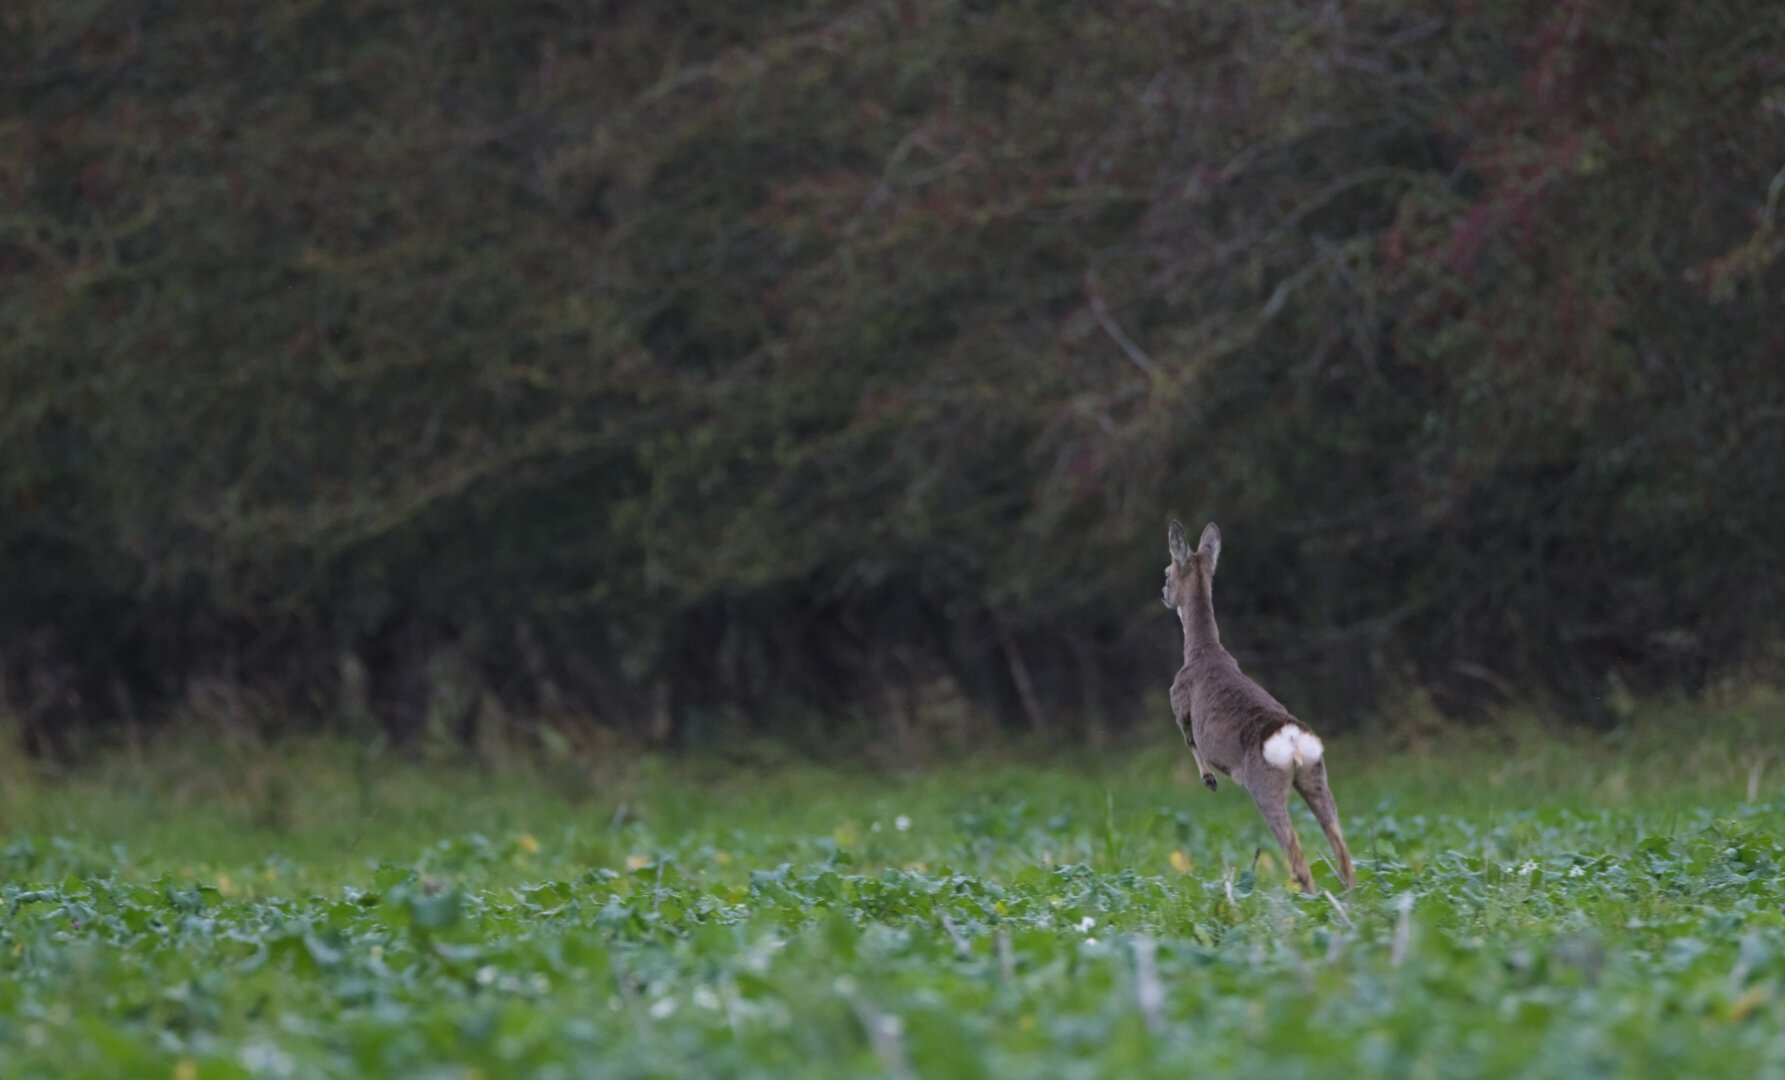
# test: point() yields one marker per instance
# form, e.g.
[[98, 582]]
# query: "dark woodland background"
[[691, 371]]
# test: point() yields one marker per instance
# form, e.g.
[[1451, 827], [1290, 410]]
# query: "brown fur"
[[1225, 717]]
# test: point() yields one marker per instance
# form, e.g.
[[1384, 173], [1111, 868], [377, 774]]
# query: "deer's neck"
[[1198, 617]]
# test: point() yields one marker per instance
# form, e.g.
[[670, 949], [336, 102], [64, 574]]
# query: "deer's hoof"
[[1208, 779]]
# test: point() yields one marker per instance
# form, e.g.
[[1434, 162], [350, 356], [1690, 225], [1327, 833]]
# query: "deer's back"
[[1230, 715]]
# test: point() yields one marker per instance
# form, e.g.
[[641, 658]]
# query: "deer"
[[1235, 726]]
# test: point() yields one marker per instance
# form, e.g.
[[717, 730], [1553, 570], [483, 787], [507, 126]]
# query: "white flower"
[[1090, 941], [901, 823], [1086, 923], [1528, 867], [265, 1059], [1575, 871], [663, 1008]]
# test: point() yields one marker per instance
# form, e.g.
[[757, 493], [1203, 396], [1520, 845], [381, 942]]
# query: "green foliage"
[[636, 359], [986, 921]]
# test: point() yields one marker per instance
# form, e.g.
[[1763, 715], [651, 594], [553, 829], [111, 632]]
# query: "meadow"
[[1530, 903]]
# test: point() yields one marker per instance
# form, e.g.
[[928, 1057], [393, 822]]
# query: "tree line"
[[700, 370]]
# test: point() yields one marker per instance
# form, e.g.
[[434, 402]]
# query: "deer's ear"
[[1211, 545], [1180, 548]]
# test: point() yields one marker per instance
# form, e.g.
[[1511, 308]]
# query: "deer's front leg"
[[1208, 777]]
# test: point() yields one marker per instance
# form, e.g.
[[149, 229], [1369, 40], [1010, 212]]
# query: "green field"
[[1529, 904]]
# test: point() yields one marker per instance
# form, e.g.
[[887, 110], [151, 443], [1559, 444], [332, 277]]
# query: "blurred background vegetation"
[[686, 372]]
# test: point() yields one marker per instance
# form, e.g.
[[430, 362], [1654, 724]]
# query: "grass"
[[1531, 903]]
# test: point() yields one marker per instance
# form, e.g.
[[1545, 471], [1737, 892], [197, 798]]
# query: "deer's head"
[[1190, 571]]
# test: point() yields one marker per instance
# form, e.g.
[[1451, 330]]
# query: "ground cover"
[[1529, 904]]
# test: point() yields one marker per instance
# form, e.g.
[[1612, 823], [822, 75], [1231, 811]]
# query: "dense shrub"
[[704, 366]]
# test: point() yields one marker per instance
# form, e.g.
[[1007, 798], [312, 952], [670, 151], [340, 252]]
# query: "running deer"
[[1231, 723]]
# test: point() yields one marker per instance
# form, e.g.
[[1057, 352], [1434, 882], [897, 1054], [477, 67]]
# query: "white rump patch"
[[1292, 748]]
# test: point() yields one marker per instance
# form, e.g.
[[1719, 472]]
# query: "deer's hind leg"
[[1270, 790], [1311, 782]]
